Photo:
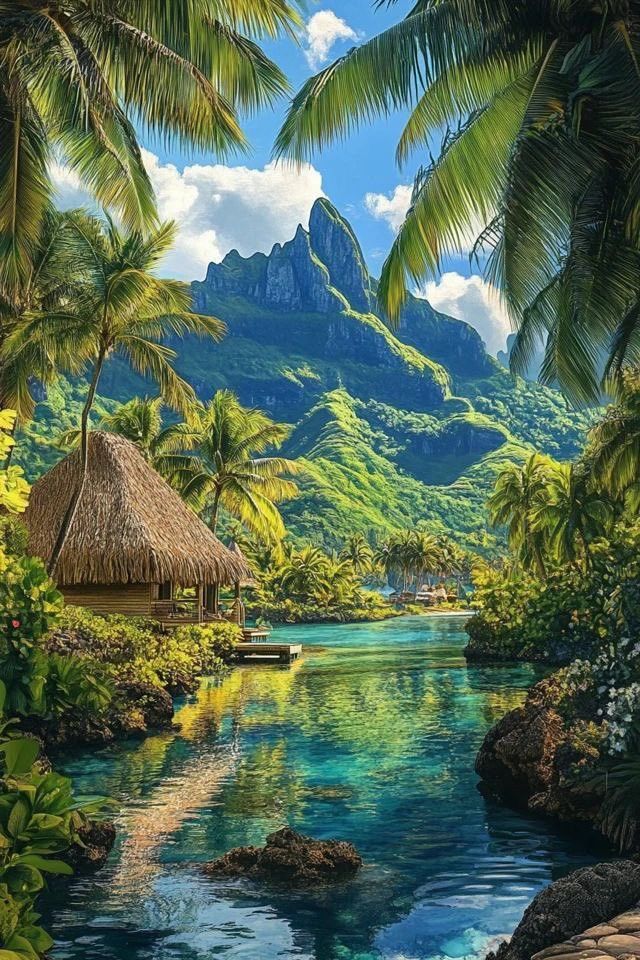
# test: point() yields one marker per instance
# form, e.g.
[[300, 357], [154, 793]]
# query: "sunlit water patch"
[[371, 738]]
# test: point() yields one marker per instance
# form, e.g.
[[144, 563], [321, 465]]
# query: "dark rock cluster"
[[96, 838], [290, 857]]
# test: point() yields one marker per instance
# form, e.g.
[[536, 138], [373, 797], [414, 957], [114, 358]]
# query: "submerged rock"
[[290, 857], [96, 837], [571, 918]]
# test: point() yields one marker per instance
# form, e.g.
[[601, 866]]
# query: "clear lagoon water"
[[371, 737]]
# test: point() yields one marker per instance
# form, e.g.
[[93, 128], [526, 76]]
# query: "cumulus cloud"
[[323, 30], [69, 191], [391, 208], [219, 207], [476, 302]]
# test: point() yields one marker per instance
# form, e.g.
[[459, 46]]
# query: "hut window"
[[164, 591]]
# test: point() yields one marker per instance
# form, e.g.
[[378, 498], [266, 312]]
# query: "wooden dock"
[[260, 652]]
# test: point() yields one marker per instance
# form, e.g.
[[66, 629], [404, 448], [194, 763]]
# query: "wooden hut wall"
[[130, 599]]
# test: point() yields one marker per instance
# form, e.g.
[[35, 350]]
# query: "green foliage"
[[572, 613], [71, 687], [522, 617], [39, 821], [129, 650], [29, 606]]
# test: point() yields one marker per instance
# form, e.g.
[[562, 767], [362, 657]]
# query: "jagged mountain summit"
[[311, 302]]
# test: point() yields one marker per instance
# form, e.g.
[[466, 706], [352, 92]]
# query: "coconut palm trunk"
[[72, 509]]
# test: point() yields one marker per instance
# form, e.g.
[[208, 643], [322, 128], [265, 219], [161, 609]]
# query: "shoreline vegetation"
[[568, 597]]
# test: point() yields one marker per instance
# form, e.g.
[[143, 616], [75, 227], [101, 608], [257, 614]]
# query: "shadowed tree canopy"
[[540, 104], [79, 77]]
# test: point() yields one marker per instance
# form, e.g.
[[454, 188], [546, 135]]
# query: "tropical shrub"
[[40, 820], [131, 650], [570, 614], [29, 606], [521, 617]]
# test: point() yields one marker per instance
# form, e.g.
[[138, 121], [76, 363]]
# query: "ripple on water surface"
[[371, 737]]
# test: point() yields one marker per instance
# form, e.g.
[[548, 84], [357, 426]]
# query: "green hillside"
[[395, 428]]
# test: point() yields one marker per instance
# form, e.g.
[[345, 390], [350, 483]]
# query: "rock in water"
[[290, 857], [96, 838], [589, 897]]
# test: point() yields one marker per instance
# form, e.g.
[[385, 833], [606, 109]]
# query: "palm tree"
[[221, 441], [540, 104], [53, 279], [613, 449], [425, 554], [123, 310], [518, 492], [572, 513], [304, 573], [75, 76], [358, 552]]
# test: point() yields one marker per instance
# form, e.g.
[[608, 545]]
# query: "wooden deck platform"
[[264, 652]]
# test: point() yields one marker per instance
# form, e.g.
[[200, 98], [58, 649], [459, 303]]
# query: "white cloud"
[[476, 302], [219, 208], [69, 191], [325, 29], [391, 208]]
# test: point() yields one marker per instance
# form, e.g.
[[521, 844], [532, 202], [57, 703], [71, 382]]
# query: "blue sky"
[[247, 203]]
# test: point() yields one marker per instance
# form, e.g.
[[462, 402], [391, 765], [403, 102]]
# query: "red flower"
[[15, 624]]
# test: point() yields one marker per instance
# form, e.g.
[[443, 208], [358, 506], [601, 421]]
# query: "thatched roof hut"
[[131, 527]]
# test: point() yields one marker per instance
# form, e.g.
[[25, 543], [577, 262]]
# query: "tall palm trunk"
[[215, 510], [213, 590], [72, 509]]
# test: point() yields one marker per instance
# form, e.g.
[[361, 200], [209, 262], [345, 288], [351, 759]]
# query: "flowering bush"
[[29, 607], [570, 614], [612, 682]]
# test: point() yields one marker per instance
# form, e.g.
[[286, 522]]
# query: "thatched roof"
[[249, 579], [130, 527]]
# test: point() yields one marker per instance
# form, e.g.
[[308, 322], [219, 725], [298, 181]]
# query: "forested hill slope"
[[396, 427]]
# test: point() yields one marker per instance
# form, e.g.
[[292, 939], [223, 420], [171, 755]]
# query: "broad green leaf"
[[20, 755]]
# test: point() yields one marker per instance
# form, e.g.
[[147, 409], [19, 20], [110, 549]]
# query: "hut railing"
[[188, 609]]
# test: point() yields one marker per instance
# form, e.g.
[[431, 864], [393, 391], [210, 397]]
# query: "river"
[[371, 737]]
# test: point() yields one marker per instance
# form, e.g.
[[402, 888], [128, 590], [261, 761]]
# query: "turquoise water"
[[371, 738]]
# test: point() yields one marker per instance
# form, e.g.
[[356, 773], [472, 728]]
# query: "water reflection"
[[370, 737]]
